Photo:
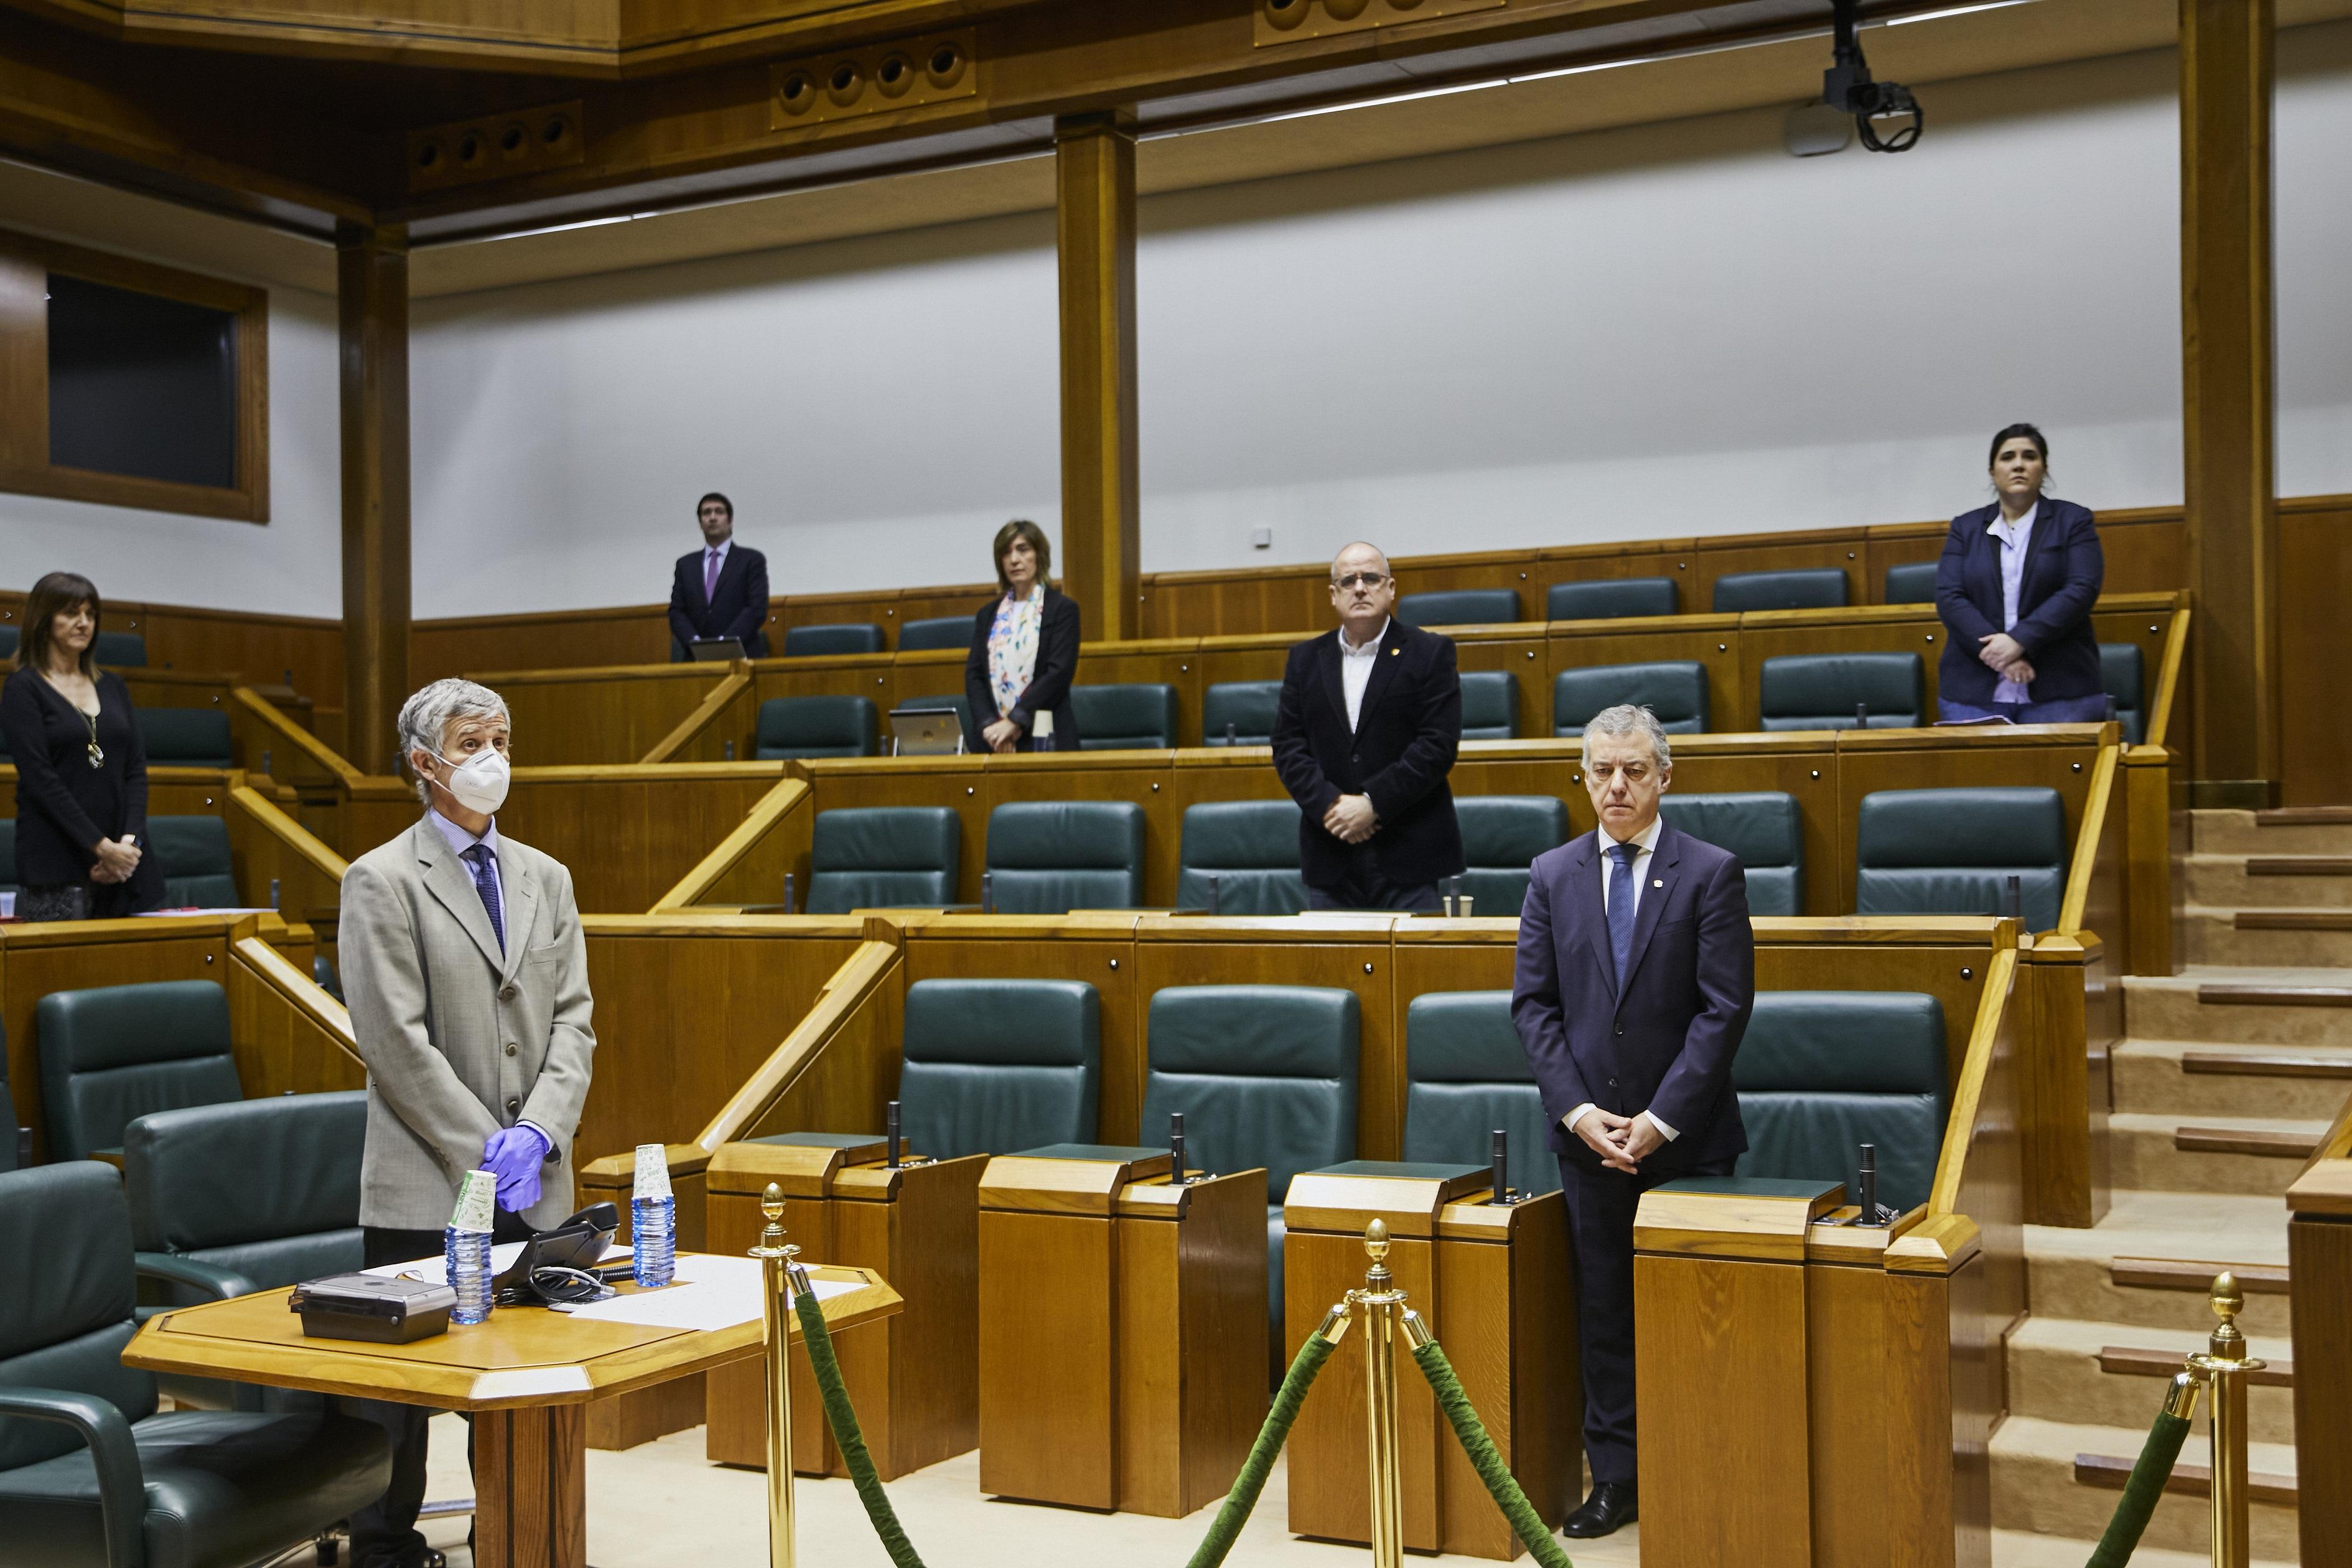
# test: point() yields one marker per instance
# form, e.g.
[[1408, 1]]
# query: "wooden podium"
[[1851, 1363], [1122, 1338], [1496, 1285], [912, 1377]]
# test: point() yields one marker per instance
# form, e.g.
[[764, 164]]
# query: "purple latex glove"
[[513, 1155]]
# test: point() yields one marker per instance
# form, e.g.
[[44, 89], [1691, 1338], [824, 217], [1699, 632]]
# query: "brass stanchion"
[[2225, 1365], [776, 1260], [1382, 1308]]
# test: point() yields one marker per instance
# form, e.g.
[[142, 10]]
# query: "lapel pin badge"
[[1658, 882], [1394, 651]]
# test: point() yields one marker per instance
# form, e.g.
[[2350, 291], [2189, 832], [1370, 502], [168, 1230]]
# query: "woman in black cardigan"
[[1024, 650], [2015, 590], [81, 772]]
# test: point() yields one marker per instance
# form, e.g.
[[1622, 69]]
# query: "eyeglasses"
[[1367, 579]]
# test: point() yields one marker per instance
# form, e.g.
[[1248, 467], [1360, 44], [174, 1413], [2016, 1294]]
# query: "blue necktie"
[[486, 882], [1620, 905]]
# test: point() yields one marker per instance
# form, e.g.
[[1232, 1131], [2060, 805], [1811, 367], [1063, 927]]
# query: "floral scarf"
[[1013, 647]]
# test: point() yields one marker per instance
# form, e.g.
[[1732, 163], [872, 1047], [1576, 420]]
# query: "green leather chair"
[[997, 1067], [1814, 588], [198, 869], [1821, 690], [1613, 598], [882, 856], [1912, 582], [1465, 1077], [849, 637], [955, 700], [11, 1135], [1490, 705], [89, 1474], [1248, 851], [1820, 1073], [185, 737], [1050, 857], [1952, 851], [119, 650], [1459, 607], [1140, 717], [1673, 689], [1501, 837], [1266, 1075], [2122, 673], [111, 1055], [1249, 706], [322, 972], [1763, 827], [937, 632], [827, 726]]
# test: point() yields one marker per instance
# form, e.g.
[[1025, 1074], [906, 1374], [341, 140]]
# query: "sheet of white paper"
[[712, 1292], [502, 1258]]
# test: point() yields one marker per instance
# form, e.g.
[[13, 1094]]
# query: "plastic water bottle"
[[653, 1219], [466, 1248]]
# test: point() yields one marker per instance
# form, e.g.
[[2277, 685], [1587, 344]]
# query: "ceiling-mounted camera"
[[1846, 87]]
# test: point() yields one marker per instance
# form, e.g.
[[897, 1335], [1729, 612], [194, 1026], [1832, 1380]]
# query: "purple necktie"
[[710, 575], [486, 882]]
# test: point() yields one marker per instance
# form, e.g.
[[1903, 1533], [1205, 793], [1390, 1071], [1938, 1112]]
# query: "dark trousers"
[[1362, 887], [1601, 1229], [384, 1532]]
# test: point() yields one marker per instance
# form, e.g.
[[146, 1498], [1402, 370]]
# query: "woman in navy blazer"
[[2015, 589]]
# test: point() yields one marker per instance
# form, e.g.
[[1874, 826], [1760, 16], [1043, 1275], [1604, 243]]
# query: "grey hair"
[[424, 718], [1630, 719]]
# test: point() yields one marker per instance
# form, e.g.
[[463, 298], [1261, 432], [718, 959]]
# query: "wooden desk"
[[528, 1372], [914, 1378], [1495, 1285], [1122, 1346]]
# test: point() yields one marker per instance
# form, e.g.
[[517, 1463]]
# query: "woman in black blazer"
[[1024, 650], [2015, 590], [81, 772]]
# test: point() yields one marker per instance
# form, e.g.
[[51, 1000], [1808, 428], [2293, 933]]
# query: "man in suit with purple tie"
[[1636, 975], [719, 590]]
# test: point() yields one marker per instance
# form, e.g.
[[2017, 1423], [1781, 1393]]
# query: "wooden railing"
[[2319, 1280]]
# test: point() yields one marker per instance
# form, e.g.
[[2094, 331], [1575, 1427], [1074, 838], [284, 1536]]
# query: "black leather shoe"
[[1609, 1510]]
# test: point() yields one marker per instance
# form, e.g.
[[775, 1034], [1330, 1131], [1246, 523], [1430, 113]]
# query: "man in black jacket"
[[719, 590], [1369, 722]]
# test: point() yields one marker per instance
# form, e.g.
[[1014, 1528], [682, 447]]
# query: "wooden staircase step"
[[2302, 815], [2292, 920], [2138, 1361], [2252, 1066], [2192, 1274], [2245, 1141], [2112, 1470], [2277, 995], [2299, 866]]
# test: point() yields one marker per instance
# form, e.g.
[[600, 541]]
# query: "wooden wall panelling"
[[1259, 656], [954, 782], [2073, 1018], [1520, 651], [935, 604], [2145, 621], [844, 1083], [153, 688], [865, 675], [1712, 640], [1795, 550], [2315, 647], [1948, 957], [688, 1007], [1512, 569], [629, 834], [1237, 604], [1590, 562], [922, 675], [2319, 1262], [880, 606], [548, 639], [268, 846], [2153, 894], [1146, 778], [265, 738], [749, 866], [291, 1038], [1100, 951], [719, 730], [1353, 956], [2146, 550], [1157, 661], [602, 714], [1897, 544], [303, 652], [1888, 628]]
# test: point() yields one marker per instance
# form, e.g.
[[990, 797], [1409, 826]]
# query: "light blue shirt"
[[2016, 539]]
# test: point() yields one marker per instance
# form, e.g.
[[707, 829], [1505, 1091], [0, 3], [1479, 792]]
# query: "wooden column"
[[372, 286], [1095, 201], [2227, 389]]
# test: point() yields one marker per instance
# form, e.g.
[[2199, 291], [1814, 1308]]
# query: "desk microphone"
[[890, 1131], [1501, 1157], [988, 892], [1861, 715], [1229, 732], [1176, 1148], [1212, 892], [1873, 1213], [788, 893]]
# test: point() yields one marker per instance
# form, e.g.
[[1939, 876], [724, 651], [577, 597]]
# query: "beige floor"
[[663, 1506]]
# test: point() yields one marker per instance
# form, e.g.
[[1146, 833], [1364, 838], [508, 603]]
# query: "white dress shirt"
[[1646, 843], [2016, 539], [1356, 670]]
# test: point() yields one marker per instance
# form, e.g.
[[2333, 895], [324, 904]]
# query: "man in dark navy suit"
[[1370, 721], [1636, 975], [721, 589]]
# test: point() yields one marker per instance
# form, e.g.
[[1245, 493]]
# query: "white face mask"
[[479, 783]]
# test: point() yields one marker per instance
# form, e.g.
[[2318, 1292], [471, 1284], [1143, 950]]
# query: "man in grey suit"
[[466, 978]]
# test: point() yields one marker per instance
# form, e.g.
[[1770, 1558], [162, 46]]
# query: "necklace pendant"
[[96, 757]]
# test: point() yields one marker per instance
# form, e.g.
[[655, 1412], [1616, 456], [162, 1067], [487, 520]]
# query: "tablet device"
[[715, 650], [926, 732]]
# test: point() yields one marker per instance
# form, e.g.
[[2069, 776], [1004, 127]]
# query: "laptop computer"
[[716, 651], [926, 732]]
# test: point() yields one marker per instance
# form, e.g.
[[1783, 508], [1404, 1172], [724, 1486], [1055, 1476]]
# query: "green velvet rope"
[[1227, 1526], [1489, 1465], [2140, 1492], [846, 1437]]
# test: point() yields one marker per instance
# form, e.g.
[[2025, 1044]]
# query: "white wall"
[[292, 565]]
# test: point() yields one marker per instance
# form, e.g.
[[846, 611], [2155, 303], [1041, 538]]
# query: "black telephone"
[[555, 1266]]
